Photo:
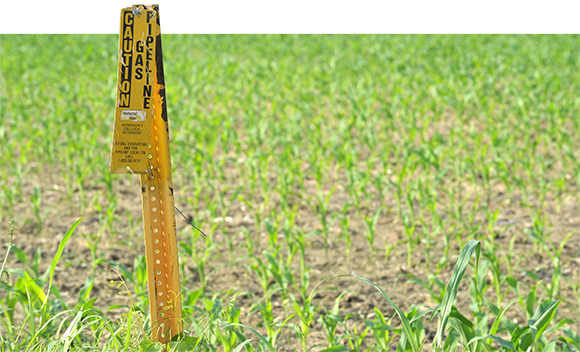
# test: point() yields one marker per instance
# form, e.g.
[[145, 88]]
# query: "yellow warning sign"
[[132, 129], [141, 145]]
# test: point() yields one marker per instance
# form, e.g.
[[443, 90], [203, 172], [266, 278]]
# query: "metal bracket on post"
[[141, 146]]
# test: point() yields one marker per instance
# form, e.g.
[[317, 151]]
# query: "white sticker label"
[[133, 115]]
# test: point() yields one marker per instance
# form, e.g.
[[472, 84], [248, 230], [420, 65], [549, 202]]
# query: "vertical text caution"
[[137, 47]]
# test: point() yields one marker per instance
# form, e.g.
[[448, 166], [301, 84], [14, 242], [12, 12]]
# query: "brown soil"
[[390, 273]]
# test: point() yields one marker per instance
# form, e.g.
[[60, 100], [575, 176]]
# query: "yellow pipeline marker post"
[[141, 146]]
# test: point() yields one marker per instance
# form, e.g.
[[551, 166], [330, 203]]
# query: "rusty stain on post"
[[159, 213]]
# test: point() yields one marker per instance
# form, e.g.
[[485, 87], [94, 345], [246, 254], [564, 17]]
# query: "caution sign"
[[135, 78], [141, 145]]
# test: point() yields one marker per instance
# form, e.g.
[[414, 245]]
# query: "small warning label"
[[133, 115], [135, 79]]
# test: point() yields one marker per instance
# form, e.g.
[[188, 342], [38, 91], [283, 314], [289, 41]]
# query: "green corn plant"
[[108, 219], [305, 312], [452, 287], [370, 234], [389, 248], [331, 320], [263, 272], [491, 221], [434, 286], [409, 228], [273, 328], [36, 207], [510, 254], [279, 269], [418, 331], [355, 340], [553, 288], [266, 311], [81, 173], [272, 232], [524, 338], [132, 227], [345, 228], [249, 241], [92, 241], [571, 339], [225, 207], [560, 185], [505, 174], [538, 232], [353, 184], [494, 266], [9, 196], [200, 261], [304, 275], [289, 232], [257, 212], [381, 329], [321, 208], [413, 340], [477, 290]]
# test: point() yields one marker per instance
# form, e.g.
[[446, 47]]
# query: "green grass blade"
[[55, 260], [71, 331], [61, 246], [57, 256]]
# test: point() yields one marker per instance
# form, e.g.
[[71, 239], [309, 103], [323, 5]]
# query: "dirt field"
[[463, 135], [391, 274]]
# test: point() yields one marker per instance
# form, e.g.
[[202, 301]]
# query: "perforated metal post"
[[159, 214], [142, 116]]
